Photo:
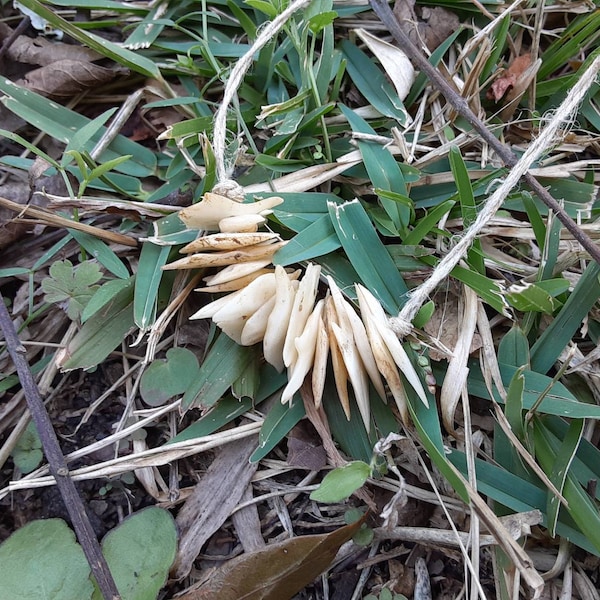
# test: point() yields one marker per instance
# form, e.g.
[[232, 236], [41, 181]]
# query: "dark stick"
[[56, 460], [510, 159], [9, 41]]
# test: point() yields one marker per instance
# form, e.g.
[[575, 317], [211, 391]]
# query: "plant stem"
[[56, 460]]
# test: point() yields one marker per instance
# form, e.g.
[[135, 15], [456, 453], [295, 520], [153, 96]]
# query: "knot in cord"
[[230, 189]]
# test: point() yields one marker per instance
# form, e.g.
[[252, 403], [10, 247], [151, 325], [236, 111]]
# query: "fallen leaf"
[[42, 51], [395, 62], [509, 77], [424, 25], [66, 78], [305, 449], [212, 501], [277, 572]]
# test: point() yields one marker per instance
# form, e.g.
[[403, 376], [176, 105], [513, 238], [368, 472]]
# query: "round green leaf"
[[140, 552], [42, 561], [28, 459], [340, 483], [166, 378]]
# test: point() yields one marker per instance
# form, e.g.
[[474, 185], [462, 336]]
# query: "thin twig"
[[10, 40], [461, 106], [519, 166], [56, 460]]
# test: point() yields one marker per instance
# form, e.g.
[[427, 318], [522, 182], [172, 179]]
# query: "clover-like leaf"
[[166, 378], [71, 286]]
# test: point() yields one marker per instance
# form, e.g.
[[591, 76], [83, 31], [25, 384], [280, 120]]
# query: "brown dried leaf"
[[276, 573], [212, 501], [201, 260], [509, 78], [66, 78], [424, 25], [42, 51], [305, 449]]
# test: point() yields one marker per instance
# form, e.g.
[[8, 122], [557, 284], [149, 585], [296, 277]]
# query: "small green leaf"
[[100, 334], [424, 315], [340, 483], [319, 22], [73, 285], [139, 553], [27, 454], [42, 561], [165, 378]]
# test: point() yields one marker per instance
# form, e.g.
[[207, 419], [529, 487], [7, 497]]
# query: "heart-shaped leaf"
[[42, 561], [139, 553], [166, 378]]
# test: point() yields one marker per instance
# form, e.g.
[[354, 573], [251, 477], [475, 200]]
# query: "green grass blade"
[[279, 421], [514, 404], [229, 408], [383, 171], [301, 209], [223, 364], [427, 424], [421, 79], [586, 464], [148, 277], [581, 33], [372, 83], [317, 239], [558, 401], [519, 495], [427, 223], [31, 147], [554, 339], [561, 465], [101, 252], [582, 509], [499, 44], [351, 434], [101, 333], [63, 124], [514, 348], [368, 255], [467, 206]]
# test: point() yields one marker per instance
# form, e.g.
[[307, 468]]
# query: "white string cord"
[[270, 30], [402, 323]]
